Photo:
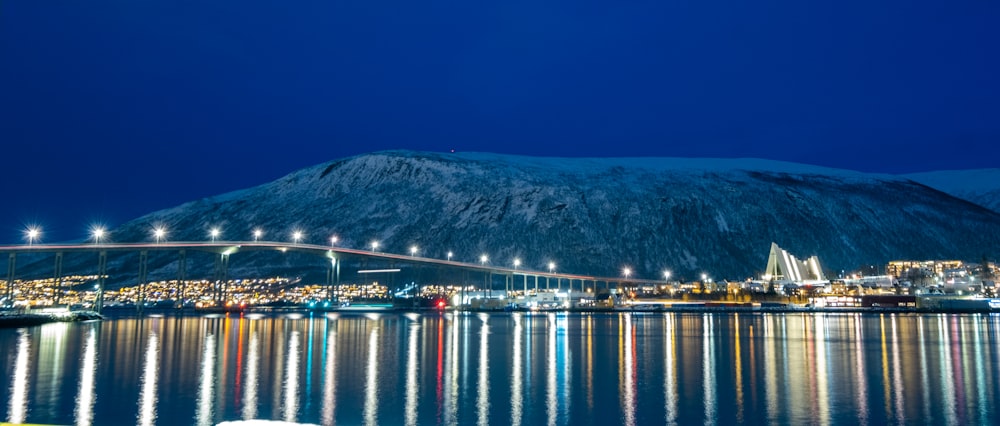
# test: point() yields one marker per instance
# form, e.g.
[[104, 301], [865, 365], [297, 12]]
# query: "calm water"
[[520, 369]]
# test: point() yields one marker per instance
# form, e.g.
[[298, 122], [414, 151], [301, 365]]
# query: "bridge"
[[224, 249]]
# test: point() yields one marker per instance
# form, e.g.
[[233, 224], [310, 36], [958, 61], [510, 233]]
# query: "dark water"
[[526, 369]]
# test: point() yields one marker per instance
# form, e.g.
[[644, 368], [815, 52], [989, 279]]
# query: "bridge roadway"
[[227, 248]]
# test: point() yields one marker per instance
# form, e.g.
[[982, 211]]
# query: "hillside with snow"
[[593, 216], [980, 186]]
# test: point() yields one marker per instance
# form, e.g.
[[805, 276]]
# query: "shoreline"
[[18, 320]]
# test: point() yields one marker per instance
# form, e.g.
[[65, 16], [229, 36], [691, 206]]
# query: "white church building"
[[783, 267]]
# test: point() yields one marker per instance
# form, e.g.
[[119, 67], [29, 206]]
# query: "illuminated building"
[[782, 266]]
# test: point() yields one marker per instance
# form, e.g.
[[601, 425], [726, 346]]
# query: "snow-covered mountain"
[[981, 186], [594, 216]]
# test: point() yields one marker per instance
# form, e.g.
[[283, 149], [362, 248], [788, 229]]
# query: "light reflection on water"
[[19, 385], [517, 368], [88, 368], [147, 398]]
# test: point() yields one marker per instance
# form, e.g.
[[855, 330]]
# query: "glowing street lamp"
[[374, 246], [450, 254], [483, 259], [413, 251], [333, 240], [517, 262], [626, 272], [159, 233], [666, 275], [257, 233], [297, 236], [32, 234], [97, 233], [552, 267], [214, 233]]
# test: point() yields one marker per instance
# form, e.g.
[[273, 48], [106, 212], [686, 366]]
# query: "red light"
[[440, 303]]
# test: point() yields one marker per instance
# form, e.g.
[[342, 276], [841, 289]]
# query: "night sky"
[[112, 109]]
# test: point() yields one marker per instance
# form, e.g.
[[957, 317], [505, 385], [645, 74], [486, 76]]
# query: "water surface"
[[519, 369]]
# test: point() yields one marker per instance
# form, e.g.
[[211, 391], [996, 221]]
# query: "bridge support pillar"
[[536, 283], [11, 271], [57, 277], [182, 276], [221, 278], [102, 271], [329, 278], [143, 272]]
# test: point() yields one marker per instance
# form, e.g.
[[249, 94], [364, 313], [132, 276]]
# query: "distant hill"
[[980, 186], [589, 215]]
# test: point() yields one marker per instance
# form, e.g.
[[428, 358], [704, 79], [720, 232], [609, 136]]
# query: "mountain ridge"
[[589, 216]]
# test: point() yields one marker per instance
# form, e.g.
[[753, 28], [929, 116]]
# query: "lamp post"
[[517, 263], [333, 240], [449, 256], [257, 233], [32, 234], [413, 251], [486, 275], [159, 233], [297, 236], [97, 233], [552, 267], [626, 272], [214, 233], [374, 246]]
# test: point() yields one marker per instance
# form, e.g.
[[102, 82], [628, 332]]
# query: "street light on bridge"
[[483, 259], [159, 233], [296, 236], [32, 234], [517, 262], [450, 254], [257, 233], [552, 267], [666, 275], [413, 251], [333, 240], [626, 272], [214, 233], [374, 246], [97, 233]]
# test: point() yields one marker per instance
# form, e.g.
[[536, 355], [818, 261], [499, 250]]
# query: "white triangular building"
[[782, 266]]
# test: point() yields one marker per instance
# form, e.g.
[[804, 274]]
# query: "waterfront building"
[[921, 268], [784, 267]]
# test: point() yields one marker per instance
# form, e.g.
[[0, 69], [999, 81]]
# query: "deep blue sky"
[[111, 109]]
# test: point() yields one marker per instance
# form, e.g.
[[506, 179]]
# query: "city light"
[[483, 259], [159, 233], [214, 233], [449, 256], [297, 236], [32, 234], [517, 262], [626, 272], [257, 233], [666, 275], [374, 246], [333, 240], [413, 251], [552, 267]]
